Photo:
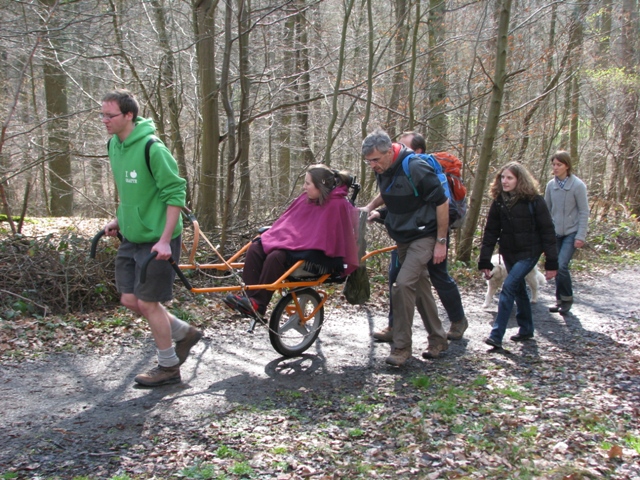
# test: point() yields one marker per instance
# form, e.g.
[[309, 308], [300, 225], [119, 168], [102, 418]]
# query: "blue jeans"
[[515, 289], [566, 248], [444, 285]]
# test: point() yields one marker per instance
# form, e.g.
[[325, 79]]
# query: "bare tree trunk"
[[304, 81], [629, 149], [575, 45], [168, 82], [55, 86], [577, 40], [437, 132], [244, 136], [368, 180], [493, 117], [411, 121], [10, 111], [398, 80], [285, 137], [337, 83], [232, 160], [603, 60], [204, 24]]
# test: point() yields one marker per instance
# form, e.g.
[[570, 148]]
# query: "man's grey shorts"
[[158, 286]]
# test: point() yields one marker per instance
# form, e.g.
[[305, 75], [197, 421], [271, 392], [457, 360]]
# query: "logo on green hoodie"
[[131, 177]]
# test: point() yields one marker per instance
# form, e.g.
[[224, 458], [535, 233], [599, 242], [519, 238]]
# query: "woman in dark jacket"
[[520, 222]]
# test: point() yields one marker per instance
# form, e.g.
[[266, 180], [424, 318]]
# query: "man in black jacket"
[[418, 220], [445, 286]]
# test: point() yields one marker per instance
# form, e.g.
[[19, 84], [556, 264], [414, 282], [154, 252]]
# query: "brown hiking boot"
[[159, 376], [384, 335], [183, 347], [457, 329], [398, 356], [434, 351]]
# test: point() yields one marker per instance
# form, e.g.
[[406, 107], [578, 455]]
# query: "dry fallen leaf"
[[615, 452]]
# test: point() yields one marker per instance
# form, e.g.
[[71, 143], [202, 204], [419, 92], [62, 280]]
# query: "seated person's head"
[[320, 181]]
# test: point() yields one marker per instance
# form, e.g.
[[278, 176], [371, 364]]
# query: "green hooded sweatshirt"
[[144, 196]]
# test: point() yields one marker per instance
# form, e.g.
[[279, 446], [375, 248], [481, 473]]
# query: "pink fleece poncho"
[[331, 228]]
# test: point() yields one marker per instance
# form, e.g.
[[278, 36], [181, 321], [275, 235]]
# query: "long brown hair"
[[326, 179], [526, 186]]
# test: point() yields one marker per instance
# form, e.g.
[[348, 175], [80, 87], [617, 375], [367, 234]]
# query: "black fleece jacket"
[[411, 213], [523, 231]]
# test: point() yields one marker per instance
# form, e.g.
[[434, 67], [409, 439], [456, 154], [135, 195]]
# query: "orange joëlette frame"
[[233, 263]]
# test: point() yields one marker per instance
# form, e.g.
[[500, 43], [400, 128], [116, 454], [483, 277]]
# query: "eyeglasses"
[[373, 160], [108, 116]]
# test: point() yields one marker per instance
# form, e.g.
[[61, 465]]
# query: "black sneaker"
[[521, 338], [493, 343], [250, 308], [231, 301]]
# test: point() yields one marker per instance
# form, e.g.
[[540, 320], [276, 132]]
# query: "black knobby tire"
[[289, 336]]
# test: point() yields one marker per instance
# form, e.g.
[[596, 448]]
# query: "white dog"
[[535, 279]]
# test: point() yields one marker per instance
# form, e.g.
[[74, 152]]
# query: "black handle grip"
[[96, 239], [176, 268]]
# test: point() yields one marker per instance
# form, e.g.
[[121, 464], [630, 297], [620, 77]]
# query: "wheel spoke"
[[293, 322], [290, 335]]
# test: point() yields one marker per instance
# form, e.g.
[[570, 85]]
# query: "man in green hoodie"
[[151, 196]]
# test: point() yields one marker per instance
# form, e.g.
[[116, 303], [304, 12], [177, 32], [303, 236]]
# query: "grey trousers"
[[412, 289]]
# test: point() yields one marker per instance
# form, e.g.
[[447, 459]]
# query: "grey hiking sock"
[[168, 357], [179, 328]]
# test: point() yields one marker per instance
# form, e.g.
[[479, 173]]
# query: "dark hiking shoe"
[[565, 307], [384, 335], [159, 376], [493, 343], [521, 338], [183, 347], [562, 307], [457, 329]]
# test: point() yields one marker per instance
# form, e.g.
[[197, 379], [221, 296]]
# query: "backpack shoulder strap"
[[147, 149], [407, 172], [147, 155], [433, 163]]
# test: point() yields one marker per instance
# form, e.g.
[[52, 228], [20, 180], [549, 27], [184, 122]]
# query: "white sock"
[[168, 358], [179, 328]]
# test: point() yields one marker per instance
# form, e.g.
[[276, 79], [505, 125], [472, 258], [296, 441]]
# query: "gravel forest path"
[[71, 414]]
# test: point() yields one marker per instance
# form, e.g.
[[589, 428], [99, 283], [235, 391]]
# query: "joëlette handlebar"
[[145, 262], [96, 239], [174, 265]]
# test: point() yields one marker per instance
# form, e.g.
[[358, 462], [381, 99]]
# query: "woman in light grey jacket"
[[566, 197]]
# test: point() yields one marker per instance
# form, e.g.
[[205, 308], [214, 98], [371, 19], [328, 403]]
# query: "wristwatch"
[[442, 241]]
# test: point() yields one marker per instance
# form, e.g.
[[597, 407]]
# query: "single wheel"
[[289, 334]]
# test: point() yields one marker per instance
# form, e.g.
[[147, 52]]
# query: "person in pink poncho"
[[320, 227]]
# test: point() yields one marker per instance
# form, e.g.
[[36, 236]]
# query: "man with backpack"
[[445, 286], [417, 218], [443, 283], [151, 197]]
